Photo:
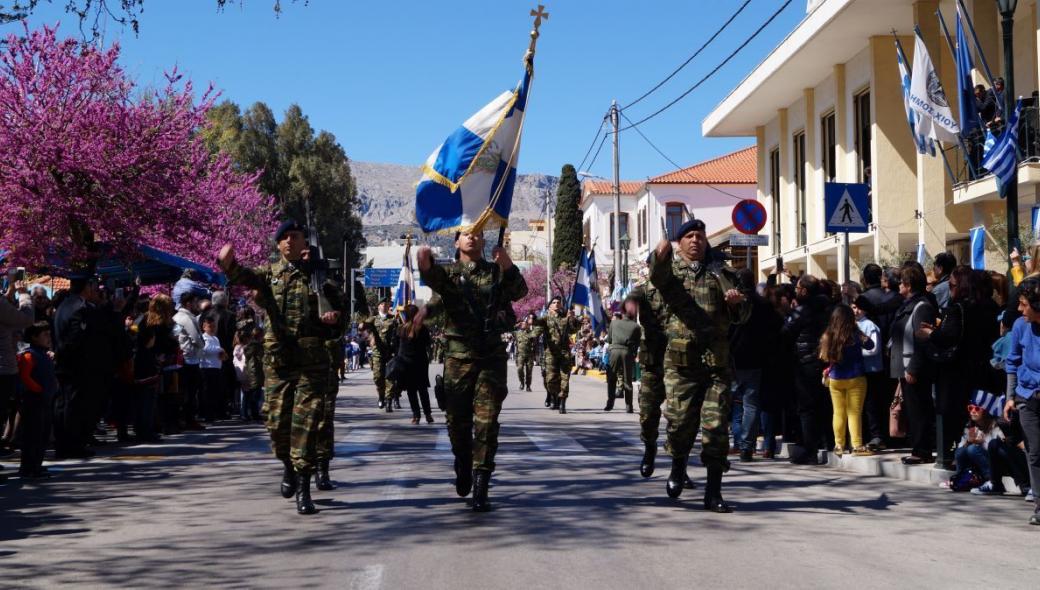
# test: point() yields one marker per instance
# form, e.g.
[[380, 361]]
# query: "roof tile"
[[740, 167]]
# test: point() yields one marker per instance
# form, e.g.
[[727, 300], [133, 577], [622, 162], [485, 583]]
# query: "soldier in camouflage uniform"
[[383, 333], [558, 329], [701, 296], [475, 297], [525, 342], [326, 427], [296, 363]]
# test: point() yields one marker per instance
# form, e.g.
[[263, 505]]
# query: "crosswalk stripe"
[[554, 441], [362, 440]]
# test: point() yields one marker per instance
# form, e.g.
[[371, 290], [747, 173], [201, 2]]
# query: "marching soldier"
[[475, 297], [558, 329], [701, 296], [326, 424], [623, 337], [296, 363], [382, 329], [525, 338]]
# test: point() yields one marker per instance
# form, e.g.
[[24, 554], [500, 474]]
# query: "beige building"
[[827, 105], [528, 245]]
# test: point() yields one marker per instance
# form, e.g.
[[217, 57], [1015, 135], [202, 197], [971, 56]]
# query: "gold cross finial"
[[538, 16]]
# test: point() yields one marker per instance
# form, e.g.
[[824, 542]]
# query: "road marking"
[[443, 441], [369, 578], [554, 441], [362, 440], [395, 489]]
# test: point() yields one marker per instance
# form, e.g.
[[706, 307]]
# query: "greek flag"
[[1002, 158], [586, 289], [405, 293], [987, 145], [928, 99], [468, 180], [978, 248], [924, 144]]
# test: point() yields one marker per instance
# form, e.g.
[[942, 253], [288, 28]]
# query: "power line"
[[672, 162], [600, 148], [592, 145], [692, 57], [714, 70]]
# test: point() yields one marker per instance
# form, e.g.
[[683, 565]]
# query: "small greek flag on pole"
[[468, 180], [405, 283], [978, 248], [586, 289], [1002, 159]]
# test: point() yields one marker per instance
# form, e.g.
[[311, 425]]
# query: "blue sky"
[[392, 79]]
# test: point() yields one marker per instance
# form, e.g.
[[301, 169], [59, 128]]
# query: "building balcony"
[[980, 185]]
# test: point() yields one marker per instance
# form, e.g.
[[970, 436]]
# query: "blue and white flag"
[[405, 293], [1002, 158], [922, 254], [965, 89], [928, 99], [586, 289], [924, 144], [978, 248], [987, 145], [468, 180]]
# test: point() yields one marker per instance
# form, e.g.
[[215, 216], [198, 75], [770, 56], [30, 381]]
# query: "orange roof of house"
[[740, 167], [605, 187]]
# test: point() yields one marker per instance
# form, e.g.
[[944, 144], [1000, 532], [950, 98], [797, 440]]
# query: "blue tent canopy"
[[153, 267]]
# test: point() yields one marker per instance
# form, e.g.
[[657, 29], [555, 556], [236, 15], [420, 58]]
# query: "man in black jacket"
[[881, 308], [751, 346], [802, 331]]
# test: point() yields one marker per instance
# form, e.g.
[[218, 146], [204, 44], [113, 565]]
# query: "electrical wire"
[[714, 70], [600, 148], [692, 57], [592, 145], [672, 162]]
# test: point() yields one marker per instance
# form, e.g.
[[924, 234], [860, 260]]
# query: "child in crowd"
[[973, 452], [213, 357], [39, 386], [252, 376], [842, 347], [874, 367]]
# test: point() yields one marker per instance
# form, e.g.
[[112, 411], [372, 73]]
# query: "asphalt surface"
[[571, 511]]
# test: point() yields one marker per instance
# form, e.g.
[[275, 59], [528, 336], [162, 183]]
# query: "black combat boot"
[[397, 403], [555, 402], [463, 476], [382, 403], [713, 492], [563, 406], [677, 478], [688, 484], [548, 399], [324, 482], [288, 487], [304, 504], [646, 468], [481, 479]]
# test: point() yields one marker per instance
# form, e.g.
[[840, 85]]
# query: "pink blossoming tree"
[[87, 157]]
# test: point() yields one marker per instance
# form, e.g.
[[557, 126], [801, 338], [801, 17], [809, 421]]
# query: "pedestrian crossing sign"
[[847, 207]]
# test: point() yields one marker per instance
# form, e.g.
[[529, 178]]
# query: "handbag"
[[897, 427]]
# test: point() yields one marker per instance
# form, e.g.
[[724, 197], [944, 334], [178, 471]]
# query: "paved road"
[[203, 510]]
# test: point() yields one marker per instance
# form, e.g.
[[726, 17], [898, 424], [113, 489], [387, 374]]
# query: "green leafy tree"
[[299, 168], [567, 234]]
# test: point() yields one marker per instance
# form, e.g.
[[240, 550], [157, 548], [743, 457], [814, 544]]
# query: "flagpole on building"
[[953, 53], [978, 47]]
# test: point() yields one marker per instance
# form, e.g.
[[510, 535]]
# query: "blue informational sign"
[[381, 277], [846, 207]]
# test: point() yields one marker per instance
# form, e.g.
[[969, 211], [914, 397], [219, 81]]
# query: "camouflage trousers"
[[558, 375], [326, 422], [619, 372], [698, 398], [651, 396], [294, 398], [475, 390], [384, 385], [525, 369]]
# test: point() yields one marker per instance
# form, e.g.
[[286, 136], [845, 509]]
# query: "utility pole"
[[616, 242]]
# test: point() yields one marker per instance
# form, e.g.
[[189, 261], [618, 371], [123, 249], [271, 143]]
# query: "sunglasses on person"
[[974, 408]]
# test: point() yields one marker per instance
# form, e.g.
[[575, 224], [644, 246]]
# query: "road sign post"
[[847, 210]]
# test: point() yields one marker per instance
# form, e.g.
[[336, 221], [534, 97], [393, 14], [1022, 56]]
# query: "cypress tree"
[[567, 231]]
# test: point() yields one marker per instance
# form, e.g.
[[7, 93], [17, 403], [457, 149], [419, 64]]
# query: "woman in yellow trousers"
[[842, 349]]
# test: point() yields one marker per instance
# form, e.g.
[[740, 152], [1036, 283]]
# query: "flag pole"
[[978, 47], [953, 52]]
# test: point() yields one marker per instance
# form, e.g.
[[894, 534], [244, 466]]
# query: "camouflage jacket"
[[383, 332], [525, 341], [284, 291], [253, 373], [653, 316], [697, 327], [475, 298], [558, 330]]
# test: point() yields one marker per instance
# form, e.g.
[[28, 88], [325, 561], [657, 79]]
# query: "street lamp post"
[[624, 242], [1007, 13]]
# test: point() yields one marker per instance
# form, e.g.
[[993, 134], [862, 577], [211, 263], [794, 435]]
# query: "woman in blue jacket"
[[1023, 370]]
